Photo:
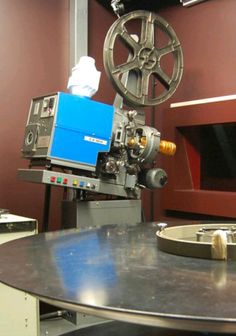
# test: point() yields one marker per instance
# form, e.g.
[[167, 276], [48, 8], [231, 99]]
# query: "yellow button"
[[75, 182]]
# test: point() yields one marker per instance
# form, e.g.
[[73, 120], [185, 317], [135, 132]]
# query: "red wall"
[[33, 61], [207, 35]]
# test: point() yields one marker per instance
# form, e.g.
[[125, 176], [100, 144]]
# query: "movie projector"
[[94, 147]]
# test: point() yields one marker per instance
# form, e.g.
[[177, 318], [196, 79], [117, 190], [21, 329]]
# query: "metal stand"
[[46, 210]]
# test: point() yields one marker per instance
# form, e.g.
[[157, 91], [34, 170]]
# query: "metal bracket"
[[118, 7]]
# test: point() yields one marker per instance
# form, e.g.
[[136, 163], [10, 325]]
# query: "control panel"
[[69, 180]]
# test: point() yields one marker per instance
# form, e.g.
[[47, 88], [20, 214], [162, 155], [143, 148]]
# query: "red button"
[[65, 181], [53, 178]]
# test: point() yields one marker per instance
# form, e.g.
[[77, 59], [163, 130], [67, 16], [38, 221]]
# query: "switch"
[[53, 179], [65, 181], [81, 184], [59, 179], [75, 182]]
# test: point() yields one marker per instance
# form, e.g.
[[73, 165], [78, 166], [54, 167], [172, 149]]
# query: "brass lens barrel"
[[167, 147]]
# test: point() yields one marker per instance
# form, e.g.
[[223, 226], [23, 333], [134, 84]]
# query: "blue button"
[[81, 184]]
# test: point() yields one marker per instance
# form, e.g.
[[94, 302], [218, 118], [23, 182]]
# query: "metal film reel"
[[145, 58]]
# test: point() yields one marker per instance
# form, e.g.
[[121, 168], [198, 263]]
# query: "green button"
[[59, 179]]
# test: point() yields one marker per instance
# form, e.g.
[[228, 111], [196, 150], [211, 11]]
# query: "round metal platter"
[[118, 272]]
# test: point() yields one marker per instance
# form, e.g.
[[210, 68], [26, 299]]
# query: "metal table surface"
[[118, 272]]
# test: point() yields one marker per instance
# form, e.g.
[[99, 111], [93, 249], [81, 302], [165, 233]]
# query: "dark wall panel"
[[207, 33], [33, 61]]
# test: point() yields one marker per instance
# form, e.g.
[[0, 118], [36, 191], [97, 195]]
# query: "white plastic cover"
[[85, 78]]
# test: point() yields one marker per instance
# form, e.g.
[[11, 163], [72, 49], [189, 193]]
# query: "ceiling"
[[131, 5]]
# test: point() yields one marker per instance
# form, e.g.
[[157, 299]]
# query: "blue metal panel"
[[82, 129]]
